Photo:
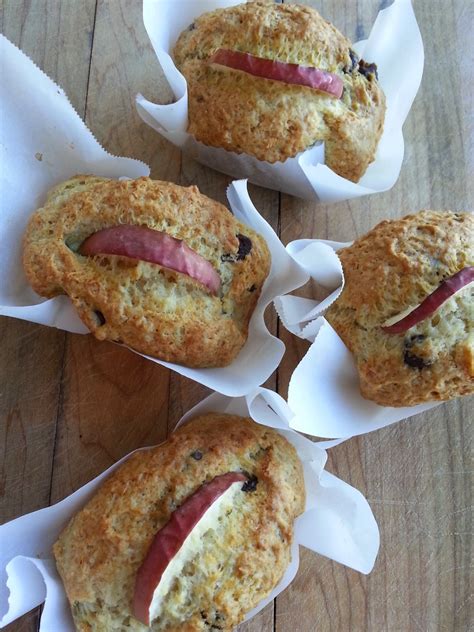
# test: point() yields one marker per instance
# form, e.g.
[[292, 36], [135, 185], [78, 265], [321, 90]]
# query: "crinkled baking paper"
[[394, 44], [337, 523]]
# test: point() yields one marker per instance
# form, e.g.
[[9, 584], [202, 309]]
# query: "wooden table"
[[71, 406]]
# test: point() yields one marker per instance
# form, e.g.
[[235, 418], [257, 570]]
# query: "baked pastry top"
[[151, 308], [239, 560], [273, 120], [396, 266]]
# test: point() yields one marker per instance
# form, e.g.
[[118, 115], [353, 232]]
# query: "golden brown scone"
[[152, 309], [240, 559], [391, 269], [273, 120]]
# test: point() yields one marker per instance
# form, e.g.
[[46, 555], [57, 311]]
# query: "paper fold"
[[337, 523], [394, 44], [323, 394]]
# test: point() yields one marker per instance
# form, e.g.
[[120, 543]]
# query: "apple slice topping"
[[154, 246], [279, 71], [179, 540], [446, 290]]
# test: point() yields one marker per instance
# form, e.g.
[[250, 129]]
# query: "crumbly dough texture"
[[395, 267], [152, 309], [272, 120], [240, 561]]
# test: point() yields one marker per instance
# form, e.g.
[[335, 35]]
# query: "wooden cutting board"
[[71, 406]]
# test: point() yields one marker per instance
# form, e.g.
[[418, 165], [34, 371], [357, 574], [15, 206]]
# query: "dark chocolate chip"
[[191, 27], [100, 317], [196, 455], [251, 484], [415, 361], [354, 58], [252, 288], [368, 70], [410, 358], [245, 246], [354, 62]]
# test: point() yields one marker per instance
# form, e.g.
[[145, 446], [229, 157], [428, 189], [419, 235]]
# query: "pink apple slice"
[[161, 563], [279, 71], [446, 290], [154, 246]]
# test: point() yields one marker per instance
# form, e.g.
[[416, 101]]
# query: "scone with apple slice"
[[159, 267], [407, 308], [189, 535], [271, 80]]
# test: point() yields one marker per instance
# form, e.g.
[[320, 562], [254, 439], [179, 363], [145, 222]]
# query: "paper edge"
[[64, 94], [290, 570], [336, 440]]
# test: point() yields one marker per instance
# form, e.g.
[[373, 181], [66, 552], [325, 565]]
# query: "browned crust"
[[394, 267], [100, 550], [153, 310]]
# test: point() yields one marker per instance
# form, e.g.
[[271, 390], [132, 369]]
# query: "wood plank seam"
[[90, 60], [59, 409]]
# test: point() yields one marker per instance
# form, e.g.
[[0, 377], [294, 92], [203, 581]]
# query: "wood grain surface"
[[71, 406]]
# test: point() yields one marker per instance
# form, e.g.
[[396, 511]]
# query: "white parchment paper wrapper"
[[337, 523], [45, 142], [324, 390], [394, 44]]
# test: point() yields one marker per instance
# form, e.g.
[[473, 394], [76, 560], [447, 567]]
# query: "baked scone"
[[199, 320], [271, 119], [234, 561], [405, 357]]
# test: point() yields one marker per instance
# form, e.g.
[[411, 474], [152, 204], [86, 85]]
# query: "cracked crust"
[[152, 309], [241, 559], [395, 267], [269, 119]]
